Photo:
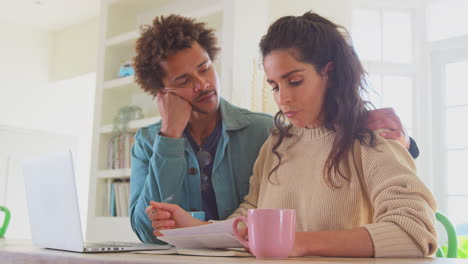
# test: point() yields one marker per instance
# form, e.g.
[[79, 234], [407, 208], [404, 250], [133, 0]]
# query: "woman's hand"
[[354, 242], [169, 216], [301, 245]]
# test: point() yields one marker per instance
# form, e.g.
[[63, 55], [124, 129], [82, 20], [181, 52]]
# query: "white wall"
[[70, 112], [241, 49], [74, 50], [24, 69], [336, 10], [29, 101]]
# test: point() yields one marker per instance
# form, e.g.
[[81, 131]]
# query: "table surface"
[[22, 251]]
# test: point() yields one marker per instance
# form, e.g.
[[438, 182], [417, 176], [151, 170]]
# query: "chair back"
[[452, 247], [6, 220]]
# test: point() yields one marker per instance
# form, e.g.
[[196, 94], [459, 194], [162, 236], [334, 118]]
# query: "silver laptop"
[[53, 207]]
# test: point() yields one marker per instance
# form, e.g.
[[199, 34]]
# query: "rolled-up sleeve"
[[404, 208], [156, 173]]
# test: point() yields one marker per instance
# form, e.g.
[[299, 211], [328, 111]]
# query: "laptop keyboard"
[[111, 244]]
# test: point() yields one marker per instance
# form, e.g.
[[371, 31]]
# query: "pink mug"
[[271, 232]]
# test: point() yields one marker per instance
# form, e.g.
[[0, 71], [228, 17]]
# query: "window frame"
[[442, 52], [417, 70]]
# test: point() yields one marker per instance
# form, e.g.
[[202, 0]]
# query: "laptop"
[[53, 207]]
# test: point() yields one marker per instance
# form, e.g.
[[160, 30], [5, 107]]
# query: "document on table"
[[215, 235], [225, 252]]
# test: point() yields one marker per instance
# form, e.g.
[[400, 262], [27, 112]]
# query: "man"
[[203, 150]]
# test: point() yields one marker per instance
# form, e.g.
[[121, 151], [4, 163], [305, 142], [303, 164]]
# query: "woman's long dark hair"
[[318, 41]]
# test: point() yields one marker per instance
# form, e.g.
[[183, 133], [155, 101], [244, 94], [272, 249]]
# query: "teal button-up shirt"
[[163, 166]]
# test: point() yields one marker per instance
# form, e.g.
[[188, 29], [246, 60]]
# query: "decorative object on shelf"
[[124, 116], [121, 142], [126, 69], [146, 102]]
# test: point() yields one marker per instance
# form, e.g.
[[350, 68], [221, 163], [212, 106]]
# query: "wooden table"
[[20, 251]]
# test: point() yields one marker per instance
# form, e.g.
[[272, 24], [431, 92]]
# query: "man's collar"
[[232, 116]]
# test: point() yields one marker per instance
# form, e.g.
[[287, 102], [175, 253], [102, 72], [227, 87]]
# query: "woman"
[[356, 194]]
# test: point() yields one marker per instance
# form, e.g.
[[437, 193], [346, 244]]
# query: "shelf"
[[129, 37], [121, 22], [114, 174], [119, 82], [133, 126]]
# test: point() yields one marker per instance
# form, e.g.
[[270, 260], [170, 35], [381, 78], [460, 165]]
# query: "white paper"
[[215, 235], [228, 252], [218, 227], [202, 241]]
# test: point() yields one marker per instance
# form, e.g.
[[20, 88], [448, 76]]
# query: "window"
[[446, 19], [383, 35], [383, 40], [456, 142], [393, 91], [367, 33], [448, 39], [393, 44], [449, 63]]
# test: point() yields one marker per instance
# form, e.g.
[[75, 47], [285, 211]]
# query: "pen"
[[168, 199]]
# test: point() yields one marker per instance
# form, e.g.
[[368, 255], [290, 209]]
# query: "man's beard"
[[199, 110]]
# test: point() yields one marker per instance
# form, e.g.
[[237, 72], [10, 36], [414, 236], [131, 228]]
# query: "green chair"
[[452, 247]]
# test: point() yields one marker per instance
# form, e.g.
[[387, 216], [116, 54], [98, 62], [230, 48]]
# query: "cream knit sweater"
[[396, 208]]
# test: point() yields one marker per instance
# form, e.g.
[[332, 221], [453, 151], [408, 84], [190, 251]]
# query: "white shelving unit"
[[123, 38], [119, 30], [118, 82], [114, 174], [133, 126]]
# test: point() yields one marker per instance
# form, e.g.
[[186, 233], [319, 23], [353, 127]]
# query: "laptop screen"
[[52, 202]]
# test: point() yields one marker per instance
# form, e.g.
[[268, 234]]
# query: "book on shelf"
[[121, 197], [119, 149], [117, 200], [112, 211]]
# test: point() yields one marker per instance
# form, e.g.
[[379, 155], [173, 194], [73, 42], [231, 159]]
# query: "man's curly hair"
[[165, 37]]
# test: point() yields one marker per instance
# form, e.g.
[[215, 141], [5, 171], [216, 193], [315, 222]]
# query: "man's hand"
[[175, 114], [168, 216], [385, 118]]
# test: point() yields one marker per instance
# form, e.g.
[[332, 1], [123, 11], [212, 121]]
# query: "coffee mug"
[[271, 232], [6, 220], [200, 215]]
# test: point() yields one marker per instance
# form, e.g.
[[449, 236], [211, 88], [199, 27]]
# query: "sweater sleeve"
[[404, 208]]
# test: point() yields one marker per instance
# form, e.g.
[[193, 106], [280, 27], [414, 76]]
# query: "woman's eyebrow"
[[284, 76]]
